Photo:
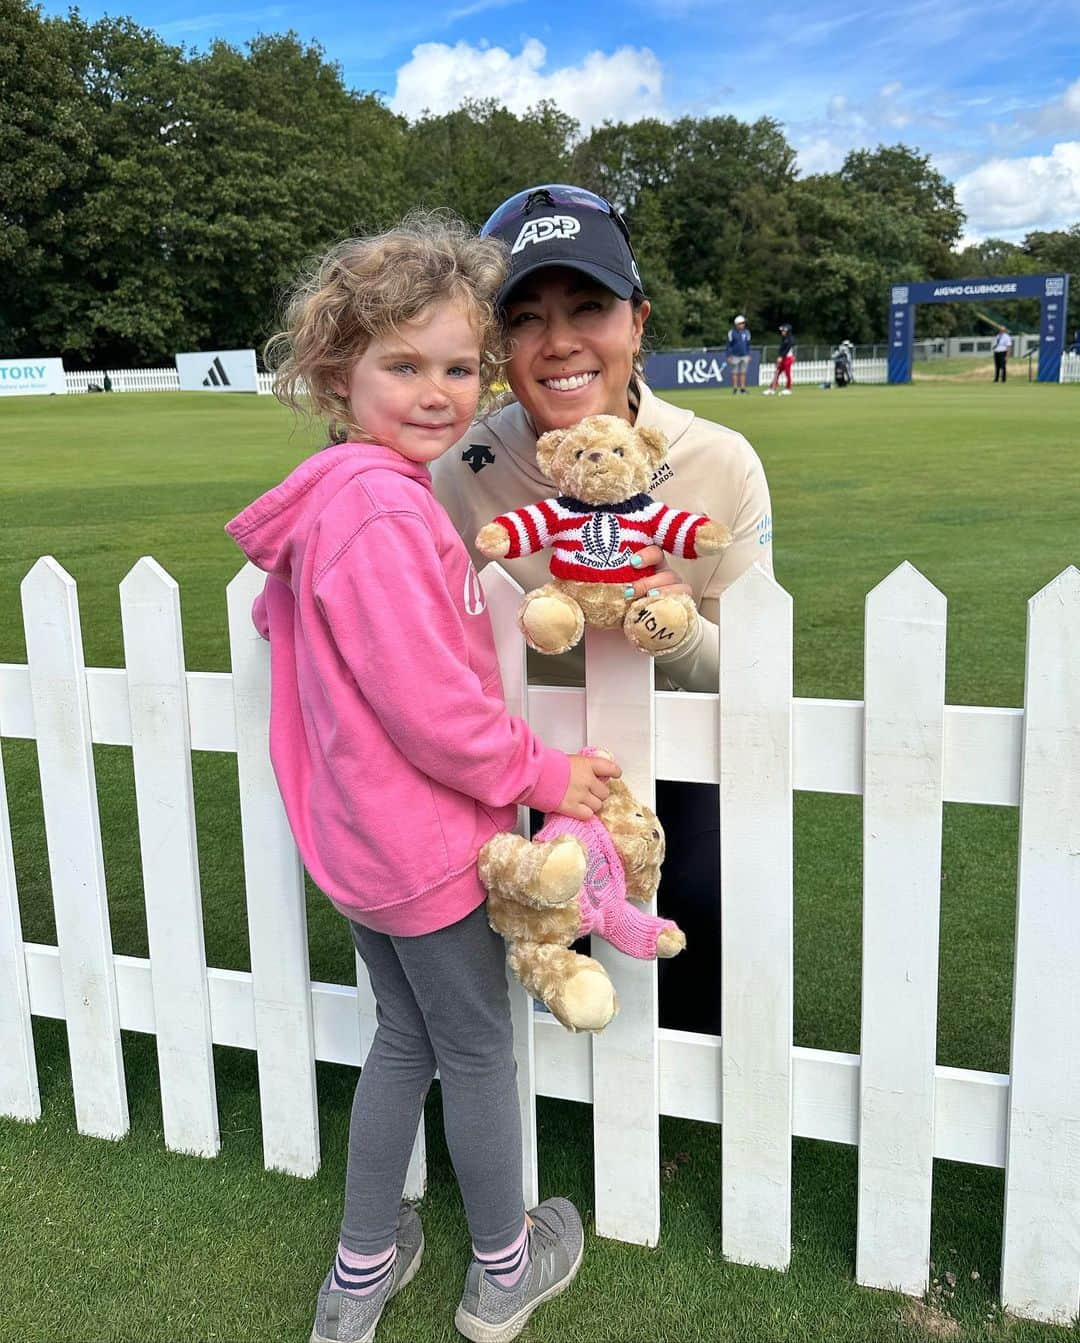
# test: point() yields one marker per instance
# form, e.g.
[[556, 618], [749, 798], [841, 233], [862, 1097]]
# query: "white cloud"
[[626, 85], [1006, 197], [1062, 114], [821, 155]]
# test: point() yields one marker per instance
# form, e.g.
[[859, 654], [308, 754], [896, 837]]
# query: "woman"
[[785, 362], [575, 311]]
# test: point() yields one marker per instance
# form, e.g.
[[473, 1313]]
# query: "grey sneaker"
[[489, 1314], [341, 1317]]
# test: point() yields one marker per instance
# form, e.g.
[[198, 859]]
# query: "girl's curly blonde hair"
[[364, 289]]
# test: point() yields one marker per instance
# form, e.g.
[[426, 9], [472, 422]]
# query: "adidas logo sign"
[[216, 375]]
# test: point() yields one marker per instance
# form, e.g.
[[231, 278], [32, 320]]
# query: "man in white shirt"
[[1002, 345]]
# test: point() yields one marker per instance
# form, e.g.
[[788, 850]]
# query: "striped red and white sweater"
[[593, 543]]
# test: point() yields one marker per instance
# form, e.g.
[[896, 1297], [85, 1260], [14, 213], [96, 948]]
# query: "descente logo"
[[543, 230]]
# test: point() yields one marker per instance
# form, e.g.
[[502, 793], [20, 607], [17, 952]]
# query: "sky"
[[991, 90]]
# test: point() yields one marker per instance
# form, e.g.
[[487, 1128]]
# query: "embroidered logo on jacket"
[[475, 601], [478, 455], [543, 230]]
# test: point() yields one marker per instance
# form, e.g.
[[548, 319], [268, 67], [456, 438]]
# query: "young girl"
[[397, 759]]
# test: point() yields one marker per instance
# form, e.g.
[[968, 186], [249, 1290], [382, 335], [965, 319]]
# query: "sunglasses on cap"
[[552, 195]]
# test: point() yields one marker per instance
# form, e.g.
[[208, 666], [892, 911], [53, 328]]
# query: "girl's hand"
[[587, 789], [665, 580]]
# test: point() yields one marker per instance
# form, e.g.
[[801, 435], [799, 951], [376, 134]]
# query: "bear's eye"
[[577, 455], [618, 452], [639, 815]]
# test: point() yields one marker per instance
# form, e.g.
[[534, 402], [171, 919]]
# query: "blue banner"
[[1052, 290], [695, 368]]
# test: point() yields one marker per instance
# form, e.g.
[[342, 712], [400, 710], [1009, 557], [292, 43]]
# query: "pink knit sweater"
[[602, 903]]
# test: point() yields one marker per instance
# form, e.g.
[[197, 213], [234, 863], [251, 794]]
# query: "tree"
[[901, 182], [473, 158], [279, 161], [45, 144], [626, 164]]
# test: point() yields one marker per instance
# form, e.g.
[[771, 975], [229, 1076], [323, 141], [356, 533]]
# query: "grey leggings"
[[441, 1003]]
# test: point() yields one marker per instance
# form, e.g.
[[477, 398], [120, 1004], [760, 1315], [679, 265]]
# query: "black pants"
[[1000, 360], [690, 894]]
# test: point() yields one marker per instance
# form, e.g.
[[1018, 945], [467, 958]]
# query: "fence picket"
[[19, 1095], [903, 744], [161, 752], [625, 1056], [503, 599], [1040, 1264], [277, 911], [756, 971], [73, 836]]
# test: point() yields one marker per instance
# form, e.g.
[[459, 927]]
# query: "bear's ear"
[[546, 447], [655, 441]]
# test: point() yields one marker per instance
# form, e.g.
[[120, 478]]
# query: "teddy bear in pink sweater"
[[574, 878]]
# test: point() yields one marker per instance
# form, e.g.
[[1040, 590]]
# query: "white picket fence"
[[140, 380], [902, 748], [817, 371]]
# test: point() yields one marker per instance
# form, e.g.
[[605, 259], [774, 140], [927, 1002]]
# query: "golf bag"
[[843, 364]]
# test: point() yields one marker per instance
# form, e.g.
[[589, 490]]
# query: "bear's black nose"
[[595, 456]]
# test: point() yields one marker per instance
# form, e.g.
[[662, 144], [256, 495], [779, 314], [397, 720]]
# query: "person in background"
[[785, 360], [574, 307], [738, 354], [1003, 343]]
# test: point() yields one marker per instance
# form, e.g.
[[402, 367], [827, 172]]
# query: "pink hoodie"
[[391, 744]]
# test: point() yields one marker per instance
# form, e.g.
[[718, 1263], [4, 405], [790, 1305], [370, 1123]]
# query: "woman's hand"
[[665, 580]]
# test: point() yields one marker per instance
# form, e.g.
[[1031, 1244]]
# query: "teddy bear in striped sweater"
[[602, 516]]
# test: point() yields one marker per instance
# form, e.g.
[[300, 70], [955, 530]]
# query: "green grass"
[[975, 485], [970, 368]]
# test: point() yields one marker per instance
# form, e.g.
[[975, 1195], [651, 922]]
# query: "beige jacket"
[[708, 469]]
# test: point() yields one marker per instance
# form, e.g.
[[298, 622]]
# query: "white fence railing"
[[822, 370], [140, 380], [903, 749], [126, 380], [1070, 367]]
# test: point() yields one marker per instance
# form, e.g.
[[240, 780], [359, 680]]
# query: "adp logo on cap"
[[543, 230]]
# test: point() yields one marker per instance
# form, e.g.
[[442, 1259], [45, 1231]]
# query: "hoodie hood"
[[273, 530]]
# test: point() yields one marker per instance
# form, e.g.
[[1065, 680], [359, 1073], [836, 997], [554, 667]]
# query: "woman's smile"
[[572, 345]]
